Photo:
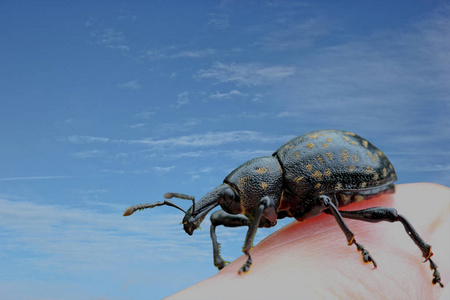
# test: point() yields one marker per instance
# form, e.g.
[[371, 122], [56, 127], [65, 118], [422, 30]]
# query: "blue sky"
[[106, 104]]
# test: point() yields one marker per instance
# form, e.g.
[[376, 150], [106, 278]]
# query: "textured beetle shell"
[[334, 162], [256, 179]]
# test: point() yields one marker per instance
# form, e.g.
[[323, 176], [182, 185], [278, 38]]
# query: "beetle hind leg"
[[388, 214]]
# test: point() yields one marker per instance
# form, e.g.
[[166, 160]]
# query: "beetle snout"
[[189, 228]]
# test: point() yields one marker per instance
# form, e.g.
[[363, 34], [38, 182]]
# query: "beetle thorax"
[[256, 179]]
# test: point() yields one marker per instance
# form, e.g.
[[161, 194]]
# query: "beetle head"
[[223, 195]]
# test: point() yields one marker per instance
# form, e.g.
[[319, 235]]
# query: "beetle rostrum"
[[315, 173]]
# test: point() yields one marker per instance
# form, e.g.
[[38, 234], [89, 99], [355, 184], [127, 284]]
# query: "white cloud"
[[109, 38], [182, 99], [144, 114], [163, 169], [138, 125], [174, 52], [33, 178], [88, 154], [194, 140], [213, 139], [133, 85], [194, 53], [230, 94], [251, 74], [67, 240], [78, 139], [220, 21]]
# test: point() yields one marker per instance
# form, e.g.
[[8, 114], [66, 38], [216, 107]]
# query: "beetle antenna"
[[181, 196], [130, 210]]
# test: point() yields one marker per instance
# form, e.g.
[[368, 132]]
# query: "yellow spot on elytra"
[[297, 156], [338, 186], [317, 175], [365, 143], [243, 181], [391, 167], [344, 155], [309, 167], [329, 155], [384, 172], [318, 185], [354, 143], [374, 157], [324, 145], [329, 140], [310, 145], [261, 170], [346, 138], [380, 153], [320, 159], [369, 170], [375, 176], [314, 136], [345, 198], [351, 168], [363, 184], [264, 185], [355, 158], [349, 133], [359, 198], [327, 172], [298, 179]]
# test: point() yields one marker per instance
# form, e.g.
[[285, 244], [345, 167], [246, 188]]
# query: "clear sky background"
[[106, 104]]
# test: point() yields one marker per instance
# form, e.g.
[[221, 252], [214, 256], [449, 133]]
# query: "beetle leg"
[[218, 218], [388, 214], [267, 209], [332, 209]]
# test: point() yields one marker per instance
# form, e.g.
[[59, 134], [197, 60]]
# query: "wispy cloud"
[[230, 94], [133, 85], [78, 139], [144, 114], [194, 53], [221, 21], [175, 52], [204, 140], [33, 178], [250, 74], [164, 169], [59, 239], [110, 38], [88, 154], [182, 99], [295, 35]]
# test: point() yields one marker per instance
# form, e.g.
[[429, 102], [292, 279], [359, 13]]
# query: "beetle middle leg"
[[218, 218], [388, 214], [332, 209]]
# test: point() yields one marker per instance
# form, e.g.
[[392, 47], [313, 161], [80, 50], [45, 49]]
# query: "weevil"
[[315, 173]]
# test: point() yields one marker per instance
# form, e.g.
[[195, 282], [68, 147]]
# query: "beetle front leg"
[[332, 209], [267, 209], [218, 218]]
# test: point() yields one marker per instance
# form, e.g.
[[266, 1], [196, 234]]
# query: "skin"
[[311, 259]]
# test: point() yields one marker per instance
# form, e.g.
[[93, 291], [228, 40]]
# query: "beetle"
[[314, 173]]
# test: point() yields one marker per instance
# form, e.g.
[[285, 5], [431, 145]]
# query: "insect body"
[[315, 173]]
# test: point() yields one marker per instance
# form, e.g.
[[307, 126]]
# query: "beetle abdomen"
[[330, 161]]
